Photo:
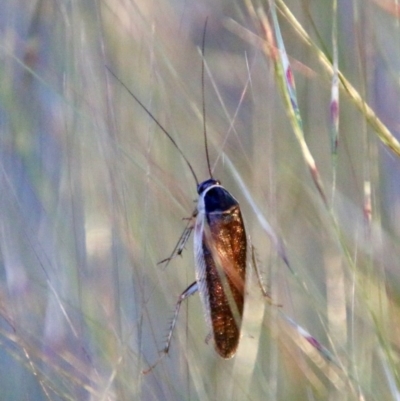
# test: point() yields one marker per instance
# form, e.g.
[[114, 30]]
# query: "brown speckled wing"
[[224, 252]]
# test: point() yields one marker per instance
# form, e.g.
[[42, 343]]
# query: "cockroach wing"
[[220, 257]]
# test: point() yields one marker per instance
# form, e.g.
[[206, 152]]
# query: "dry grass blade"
[[287, 84], [380, 128]]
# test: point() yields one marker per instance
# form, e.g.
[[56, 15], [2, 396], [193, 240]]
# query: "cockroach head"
[[205, 184]]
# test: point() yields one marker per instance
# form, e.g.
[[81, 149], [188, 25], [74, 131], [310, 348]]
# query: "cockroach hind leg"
[[208, 338], [193, 288], [265, 293]]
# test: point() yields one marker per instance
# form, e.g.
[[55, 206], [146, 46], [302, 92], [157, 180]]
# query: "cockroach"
[[220, 252]]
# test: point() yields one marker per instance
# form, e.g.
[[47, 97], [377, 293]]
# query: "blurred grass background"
[[92, 196]]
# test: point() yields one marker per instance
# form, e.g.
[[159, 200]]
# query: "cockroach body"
[[220, 249]]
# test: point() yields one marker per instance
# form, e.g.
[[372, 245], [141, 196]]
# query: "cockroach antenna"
[[156, 121], [203, 98], [220, 253], [220, 249]]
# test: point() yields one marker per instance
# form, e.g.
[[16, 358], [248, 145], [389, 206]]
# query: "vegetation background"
[[93, 193]]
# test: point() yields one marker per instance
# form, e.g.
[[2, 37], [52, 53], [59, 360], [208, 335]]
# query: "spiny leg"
[[260, 280], [180, 245], [302, 331], [185, 294]]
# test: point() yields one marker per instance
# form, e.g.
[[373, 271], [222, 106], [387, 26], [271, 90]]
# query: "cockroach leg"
[[265, 293], [193, 288]]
